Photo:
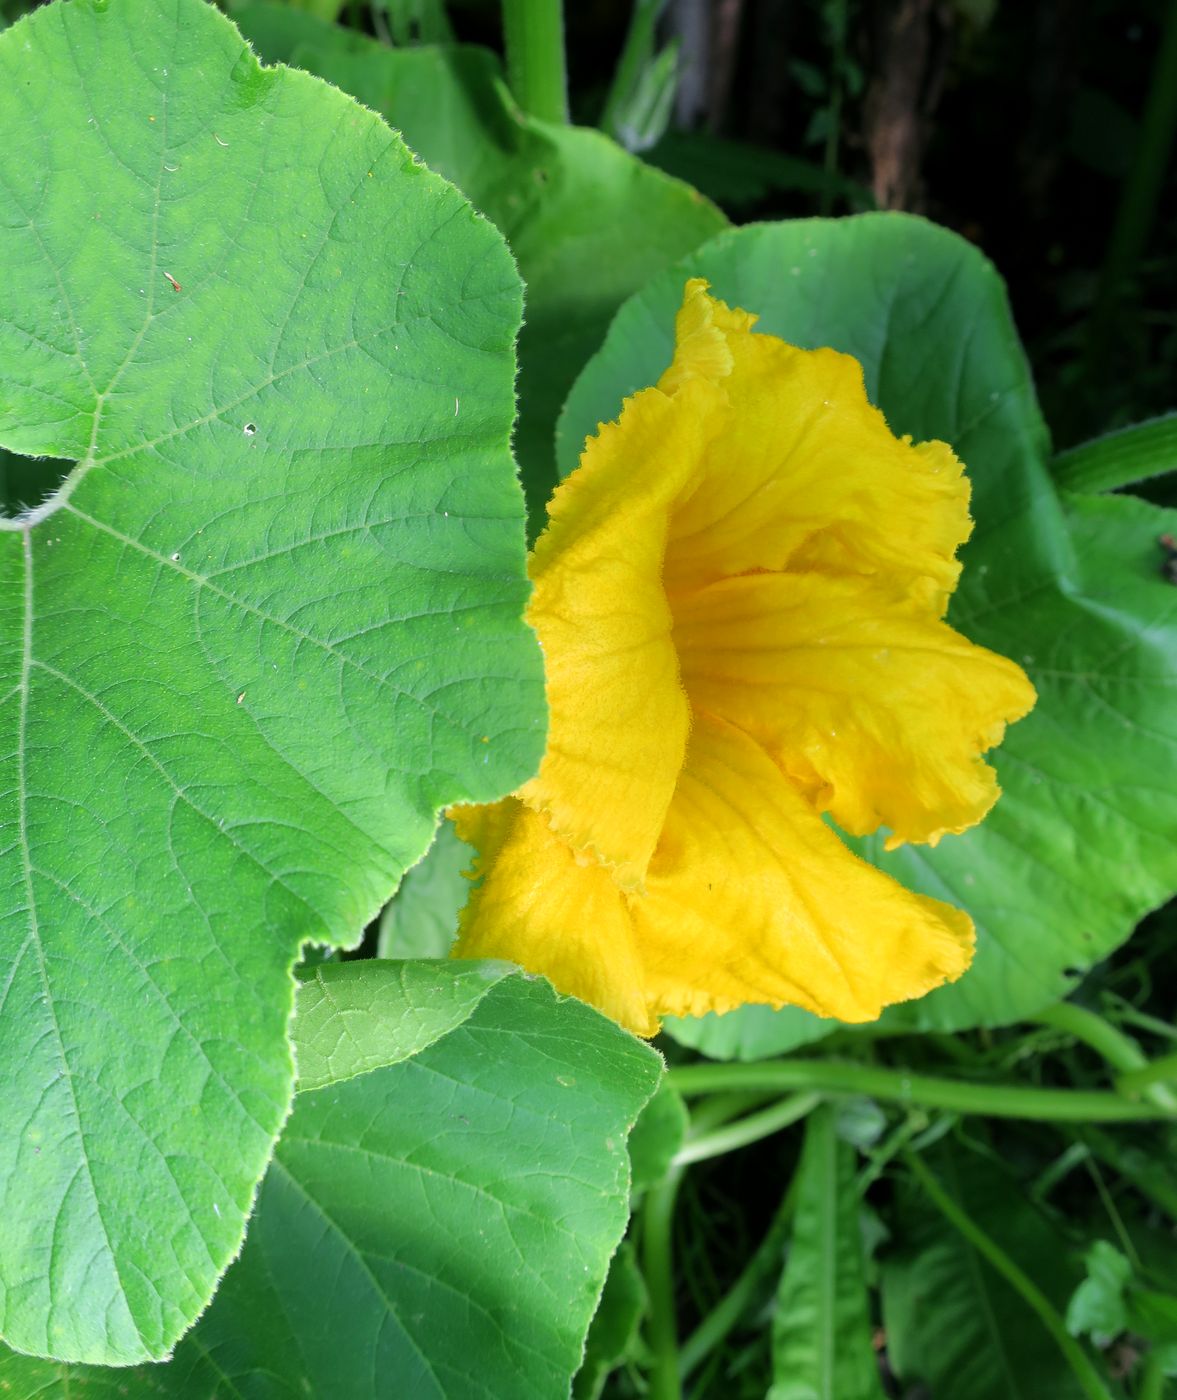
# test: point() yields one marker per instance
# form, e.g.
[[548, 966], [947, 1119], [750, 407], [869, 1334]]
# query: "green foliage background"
[[271, 627]]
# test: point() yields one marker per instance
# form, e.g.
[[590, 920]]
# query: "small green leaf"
[[613, 1334], [821, 1328], [588, 223], [657, 1136], [355, 1017], [421, 920], [439, 1228], [1111, 1300], [269, 625], [1084, 839], [1097, 1306]]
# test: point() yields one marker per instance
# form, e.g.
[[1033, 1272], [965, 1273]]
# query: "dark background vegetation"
[[1015, 122]]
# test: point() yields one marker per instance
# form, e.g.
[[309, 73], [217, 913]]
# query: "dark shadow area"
[[27, 481]]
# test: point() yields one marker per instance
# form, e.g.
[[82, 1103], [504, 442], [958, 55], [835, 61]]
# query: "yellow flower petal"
[[619, 719], [752, 898], [540, 907], [701, 331], [750, 530], [878, 715], [803, 472]]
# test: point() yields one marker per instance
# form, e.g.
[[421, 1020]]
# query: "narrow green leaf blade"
[[1123, 458], [821, 1328], [247, 652]]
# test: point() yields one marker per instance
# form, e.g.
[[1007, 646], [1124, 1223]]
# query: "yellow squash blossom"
[[740, 596]]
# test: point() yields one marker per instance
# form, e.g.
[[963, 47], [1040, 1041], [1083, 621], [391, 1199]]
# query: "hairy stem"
[[533, 33], [749, 1129], [926, 1091], [1119, 1050]]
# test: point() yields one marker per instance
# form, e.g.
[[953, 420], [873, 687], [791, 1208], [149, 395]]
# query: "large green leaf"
[[269, 625], [1083, 841], [588, 223], [822, 1328], [439, 1227], [951, 1321]]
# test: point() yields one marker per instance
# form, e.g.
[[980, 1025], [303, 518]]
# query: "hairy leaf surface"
[[588, 222], [269, 624]]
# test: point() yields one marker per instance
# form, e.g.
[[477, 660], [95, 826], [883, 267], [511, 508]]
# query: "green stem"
[[718, 1109], [715, 1327], [1120, 1051], [658, 1246], [658, 1268], [1108, 1041], [533, 33], [1127, 1013], [1063, 1165], [1139, 453], [1078, 1360], [747, 1130], [380, 23], [894, 1143], [897, 1086], [1149, 1075]]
